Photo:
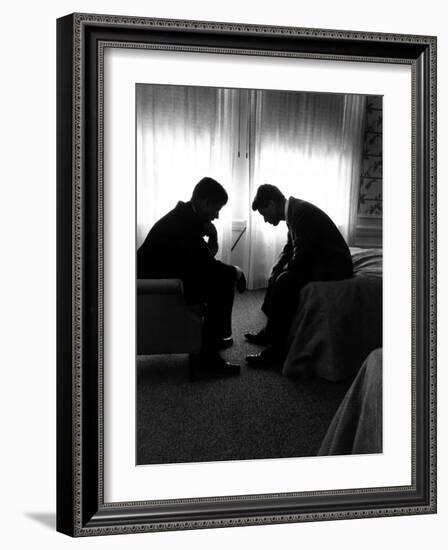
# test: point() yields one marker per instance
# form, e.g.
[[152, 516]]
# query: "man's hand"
[[210, 230], [274, 274], [240, 280], [212, 234]]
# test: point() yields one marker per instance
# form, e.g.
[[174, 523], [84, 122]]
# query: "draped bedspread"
[[338, 323], [357, 425]]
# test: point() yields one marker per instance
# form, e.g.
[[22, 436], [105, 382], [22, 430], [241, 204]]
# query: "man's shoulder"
[[174, 216], [303, 213], [297, 207], [302, 206], [179, 224], [300, 203]]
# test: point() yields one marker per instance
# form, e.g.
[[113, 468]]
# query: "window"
[[308, 144]]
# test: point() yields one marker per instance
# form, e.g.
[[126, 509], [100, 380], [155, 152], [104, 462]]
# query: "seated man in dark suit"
[[315, 251], [182, 245]]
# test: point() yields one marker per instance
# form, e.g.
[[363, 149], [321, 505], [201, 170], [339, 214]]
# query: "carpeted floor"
[[258, 414]]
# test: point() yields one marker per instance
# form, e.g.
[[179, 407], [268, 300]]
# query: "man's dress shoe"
[[258, 338], [212, 364], [224, 367], [268, 358], [224, 343]]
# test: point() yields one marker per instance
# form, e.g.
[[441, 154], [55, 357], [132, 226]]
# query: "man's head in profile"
[[270, 203], [208, 198]]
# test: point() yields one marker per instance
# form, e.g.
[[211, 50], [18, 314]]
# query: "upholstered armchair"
[[165, 324]]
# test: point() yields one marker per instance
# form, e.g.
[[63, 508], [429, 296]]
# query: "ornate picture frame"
[[81, 506]]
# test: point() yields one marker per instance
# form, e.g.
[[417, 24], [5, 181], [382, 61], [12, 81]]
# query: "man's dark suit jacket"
[[315, 250], [175, 248]]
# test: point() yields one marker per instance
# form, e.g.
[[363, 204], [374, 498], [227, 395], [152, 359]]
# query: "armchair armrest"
[[165, 323], [160, 286]]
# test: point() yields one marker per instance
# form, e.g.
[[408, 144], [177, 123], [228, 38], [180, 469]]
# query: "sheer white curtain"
[[310, 146], [183, 134]]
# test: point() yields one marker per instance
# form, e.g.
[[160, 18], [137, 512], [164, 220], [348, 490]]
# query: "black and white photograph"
[[246, 275], [192, 360], [259, 238]]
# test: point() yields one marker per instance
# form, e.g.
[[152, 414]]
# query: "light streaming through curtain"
[[183, 134], [309, 145]]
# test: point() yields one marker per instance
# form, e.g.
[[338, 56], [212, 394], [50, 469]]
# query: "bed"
[[338, 323], [357, 426]]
